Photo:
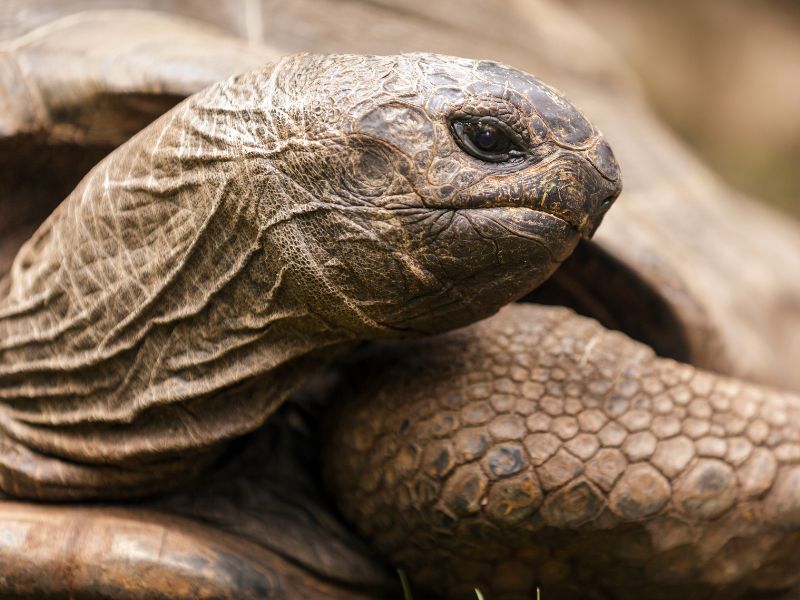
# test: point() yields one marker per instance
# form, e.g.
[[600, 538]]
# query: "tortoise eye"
[[485, 139]]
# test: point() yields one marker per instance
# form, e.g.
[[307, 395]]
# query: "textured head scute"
[[370, 139], [567, 125]]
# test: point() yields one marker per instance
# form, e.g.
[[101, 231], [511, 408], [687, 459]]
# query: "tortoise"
[[257, 524]]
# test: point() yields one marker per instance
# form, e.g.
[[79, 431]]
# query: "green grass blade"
[[406, 586]]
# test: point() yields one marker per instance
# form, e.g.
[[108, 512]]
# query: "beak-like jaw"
[[607, 189], [582, 188], [577, 193], [597, 207]]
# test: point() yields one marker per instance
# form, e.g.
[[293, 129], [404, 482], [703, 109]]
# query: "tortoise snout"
[[599, 201], [608, 194], [607, 187]]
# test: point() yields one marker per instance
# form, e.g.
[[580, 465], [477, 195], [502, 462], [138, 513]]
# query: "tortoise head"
[[443, 188], [316, 201]]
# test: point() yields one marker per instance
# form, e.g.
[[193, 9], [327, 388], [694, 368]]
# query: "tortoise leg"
[[538, 448]]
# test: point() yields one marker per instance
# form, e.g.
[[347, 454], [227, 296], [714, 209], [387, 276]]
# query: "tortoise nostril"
[[608, 200]]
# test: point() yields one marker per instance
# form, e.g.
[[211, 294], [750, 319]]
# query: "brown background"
[[725, 75]]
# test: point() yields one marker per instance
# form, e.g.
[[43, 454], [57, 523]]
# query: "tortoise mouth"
[[580, 218], [595, 284], [550, 231]]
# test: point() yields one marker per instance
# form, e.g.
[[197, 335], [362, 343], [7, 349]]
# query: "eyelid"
[[513, 120], [516, 150], [504, 127]]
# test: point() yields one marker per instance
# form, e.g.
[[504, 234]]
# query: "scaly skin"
[[206, 268], [537, 447]]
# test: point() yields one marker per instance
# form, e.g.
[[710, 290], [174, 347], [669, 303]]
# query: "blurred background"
[[725, 76]]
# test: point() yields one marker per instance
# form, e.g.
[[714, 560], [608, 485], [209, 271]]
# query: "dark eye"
[[486, 139]]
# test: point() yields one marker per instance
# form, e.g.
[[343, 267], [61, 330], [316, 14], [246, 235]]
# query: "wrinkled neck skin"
[[229, 250]]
